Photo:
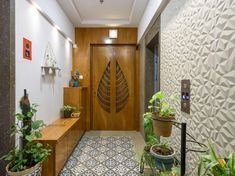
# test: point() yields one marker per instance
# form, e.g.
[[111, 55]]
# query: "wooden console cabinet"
[[77, 96], [62, 135]]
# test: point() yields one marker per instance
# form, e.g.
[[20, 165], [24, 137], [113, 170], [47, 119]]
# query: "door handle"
[[94, 93]]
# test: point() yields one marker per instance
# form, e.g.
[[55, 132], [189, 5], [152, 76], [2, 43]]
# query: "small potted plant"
[[213, 164], [163, 114], [67, 110], [164, 156], [26, 159]]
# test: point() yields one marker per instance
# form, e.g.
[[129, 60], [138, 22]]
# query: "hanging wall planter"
[[49, 62], [163, 114], [162, 126]]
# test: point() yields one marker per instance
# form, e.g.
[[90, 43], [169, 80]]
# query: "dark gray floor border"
[[7, 76]]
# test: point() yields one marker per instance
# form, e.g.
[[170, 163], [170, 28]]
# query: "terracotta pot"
[[33, 171], [162, 126]]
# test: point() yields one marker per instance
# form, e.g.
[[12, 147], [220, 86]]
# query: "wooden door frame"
[[136, 84]]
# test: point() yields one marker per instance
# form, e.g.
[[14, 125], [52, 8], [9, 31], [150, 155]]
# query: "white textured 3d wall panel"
[[198, 43]]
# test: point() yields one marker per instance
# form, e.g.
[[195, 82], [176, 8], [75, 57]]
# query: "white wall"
[[46, 92], [198, 43], [53, 9], [150, 11]]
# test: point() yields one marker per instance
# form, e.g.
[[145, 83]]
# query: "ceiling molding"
[[76, 9], [104, 22], [132, 12]]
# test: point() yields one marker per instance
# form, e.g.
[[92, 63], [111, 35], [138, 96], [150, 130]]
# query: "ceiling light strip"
[[33, 3]]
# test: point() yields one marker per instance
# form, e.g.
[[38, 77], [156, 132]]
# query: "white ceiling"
[[91, 13]]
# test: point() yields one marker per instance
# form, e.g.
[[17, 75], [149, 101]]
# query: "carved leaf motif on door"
[[122, 90], [103, 92]]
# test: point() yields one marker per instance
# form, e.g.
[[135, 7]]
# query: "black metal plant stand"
[[183, 147]]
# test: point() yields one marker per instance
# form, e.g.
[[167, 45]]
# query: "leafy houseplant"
[[26, 160], [67, 110], [214, 165], [163, 113]]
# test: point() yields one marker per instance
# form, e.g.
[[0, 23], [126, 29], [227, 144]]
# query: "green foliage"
[[160, 105], [33, 152], [151, 138], [67, 108], [212, 164], [165, 145], [175, 171]]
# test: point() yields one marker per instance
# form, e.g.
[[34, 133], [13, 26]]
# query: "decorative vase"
[[75, 84], [163, 162], [33, 171], [162, 126]]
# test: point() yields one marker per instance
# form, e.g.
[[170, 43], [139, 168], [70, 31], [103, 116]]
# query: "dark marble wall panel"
[[7, 76]]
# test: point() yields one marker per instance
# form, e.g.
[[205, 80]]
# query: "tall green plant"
[[28, 128], [212, 164]]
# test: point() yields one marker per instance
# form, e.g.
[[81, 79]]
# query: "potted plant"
[[26, 160], [215, 165], [164, 156], [67, 110], [163, 114]]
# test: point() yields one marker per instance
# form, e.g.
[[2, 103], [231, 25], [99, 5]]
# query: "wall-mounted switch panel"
[[185, 96]]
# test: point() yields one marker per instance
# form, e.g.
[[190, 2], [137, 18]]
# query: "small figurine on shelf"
[[74, 82]]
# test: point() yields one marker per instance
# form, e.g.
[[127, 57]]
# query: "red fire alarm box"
[[27, 49]]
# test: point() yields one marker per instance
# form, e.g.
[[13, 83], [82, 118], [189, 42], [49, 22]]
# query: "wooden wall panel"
[[84, 37]]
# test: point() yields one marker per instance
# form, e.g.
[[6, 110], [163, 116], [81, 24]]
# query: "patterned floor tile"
[[100, 169], [110, 163], [95, 153], [110, 173], [106, 156], [91, 163], [79, 169], [111, 153], [120, 169], [120, 158], [129, 153], [131, 163]]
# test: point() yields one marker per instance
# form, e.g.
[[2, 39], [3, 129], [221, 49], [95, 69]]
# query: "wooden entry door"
[[113, 90]]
